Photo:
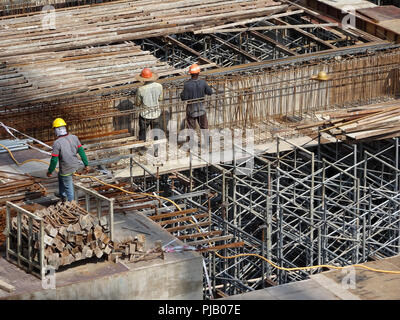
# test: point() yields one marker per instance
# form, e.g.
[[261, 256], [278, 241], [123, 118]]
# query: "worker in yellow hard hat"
[[65, 149], [59, 122], [195, 89]]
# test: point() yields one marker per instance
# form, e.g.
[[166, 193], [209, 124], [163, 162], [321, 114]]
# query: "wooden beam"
[[242, 22], [234, 48], [188, 226], [182, 219], [192, 51], [172, 214], [199, 235], [307, 34], [6, 286], [266, 28], [222, 238], [280, 46], [223, 246]]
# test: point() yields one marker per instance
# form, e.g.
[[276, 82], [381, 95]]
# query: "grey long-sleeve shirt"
[[195, 89], [65, 148]]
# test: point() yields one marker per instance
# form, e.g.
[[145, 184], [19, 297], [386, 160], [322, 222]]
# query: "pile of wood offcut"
[[73, 234], [362, 123]]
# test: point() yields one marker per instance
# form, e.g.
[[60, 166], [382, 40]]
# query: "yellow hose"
[[94, 178], [222, 257], [130, 192]]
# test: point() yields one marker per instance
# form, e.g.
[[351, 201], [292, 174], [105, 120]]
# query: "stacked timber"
[[88, 48], [40, 76], [361, 123], [120, 21], [15, 7], [73, 234]]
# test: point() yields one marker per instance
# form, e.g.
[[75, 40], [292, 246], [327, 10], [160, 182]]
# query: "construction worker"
[[65, 149], [148, 97], [195, 88]]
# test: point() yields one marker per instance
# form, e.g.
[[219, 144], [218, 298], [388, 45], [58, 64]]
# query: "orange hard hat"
[[194, 68], [146, 73]]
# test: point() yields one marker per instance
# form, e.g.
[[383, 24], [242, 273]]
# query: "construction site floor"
[[337, 285]]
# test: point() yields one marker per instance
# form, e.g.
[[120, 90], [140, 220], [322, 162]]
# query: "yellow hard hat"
[[59, 123], [322, 76]]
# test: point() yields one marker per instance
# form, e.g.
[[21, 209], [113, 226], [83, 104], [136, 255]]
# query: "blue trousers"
[[66, 187]]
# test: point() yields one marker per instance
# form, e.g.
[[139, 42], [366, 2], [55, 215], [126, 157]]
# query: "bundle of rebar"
[[14, 186]]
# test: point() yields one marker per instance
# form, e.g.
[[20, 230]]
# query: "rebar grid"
[[240, 100]]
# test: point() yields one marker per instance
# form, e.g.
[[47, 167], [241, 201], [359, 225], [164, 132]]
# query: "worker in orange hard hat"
[[195, 89], [194, 69], [148, 97]]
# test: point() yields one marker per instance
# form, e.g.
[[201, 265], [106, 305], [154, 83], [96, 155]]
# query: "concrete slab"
[[262, 294], [333, 285], [178, 276], [370, 285], [302, 290]]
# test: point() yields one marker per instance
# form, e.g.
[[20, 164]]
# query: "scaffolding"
[[336, 204], [330, 204]]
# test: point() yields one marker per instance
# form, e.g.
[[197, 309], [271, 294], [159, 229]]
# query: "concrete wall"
[[175, 280]]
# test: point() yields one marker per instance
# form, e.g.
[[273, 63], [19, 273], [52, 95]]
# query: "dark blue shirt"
[[195, 89]]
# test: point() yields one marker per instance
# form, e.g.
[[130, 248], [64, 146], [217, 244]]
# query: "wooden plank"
[[243, 22], [6, 286], [268, 28], [234, 48], [192, 51], [172, 214], [223, 246], [307, 34], [215, 239], [188, 226], [280, 46], [199, 235], [182, 219]]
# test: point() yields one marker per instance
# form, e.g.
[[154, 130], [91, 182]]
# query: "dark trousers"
[[144, 124], [202, 121]]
